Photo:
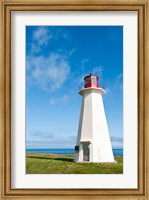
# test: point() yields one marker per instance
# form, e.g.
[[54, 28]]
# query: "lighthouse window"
[[88, 80], [94, 79], [76, 148]]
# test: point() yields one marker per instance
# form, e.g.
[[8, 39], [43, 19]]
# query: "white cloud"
[[42, 134], [42, 36], [117, 141], [114, 85], [51, 139], [83, 63], [63, 99], [60, 33], [85, 60], [118, 82], [35, 48], [98, 71], [48, 73], [107, 90], [71, 51]]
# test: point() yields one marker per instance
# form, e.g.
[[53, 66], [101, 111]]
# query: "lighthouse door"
[[86, 152]]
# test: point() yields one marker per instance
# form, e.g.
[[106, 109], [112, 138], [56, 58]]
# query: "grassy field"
[[64, 164]]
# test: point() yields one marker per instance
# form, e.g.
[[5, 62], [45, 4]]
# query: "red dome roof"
[[91, 75]]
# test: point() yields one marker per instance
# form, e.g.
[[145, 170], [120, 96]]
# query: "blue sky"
[[57, 59]]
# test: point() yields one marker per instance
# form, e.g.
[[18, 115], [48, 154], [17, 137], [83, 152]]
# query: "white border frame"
[[126, 180]]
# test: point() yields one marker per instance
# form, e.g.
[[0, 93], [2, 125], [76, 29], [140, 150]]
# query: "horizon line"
[[70, 148]]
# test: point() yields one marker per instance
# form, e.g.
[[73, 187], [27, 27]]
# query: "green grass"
[[65, 164]]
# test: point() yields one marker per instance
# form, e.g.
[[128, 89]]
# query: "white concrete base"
[[93, 134]]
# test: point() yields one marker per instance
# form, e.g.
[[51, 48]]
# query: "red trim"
[[91, 84], [91, 75]]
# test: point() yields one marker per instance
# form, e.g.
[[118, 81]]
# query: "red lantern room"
[[91, 81]]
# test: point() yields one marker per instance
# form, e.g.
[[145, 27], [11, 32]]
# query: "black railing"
[[81, 86]]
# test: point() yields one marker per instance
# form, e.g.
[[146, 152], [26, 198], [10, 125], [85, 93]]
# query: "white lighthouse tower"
[[93, 141]]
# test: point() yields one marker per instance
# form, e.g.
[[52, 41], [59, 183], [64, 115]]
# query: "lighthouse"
[[93, 140]]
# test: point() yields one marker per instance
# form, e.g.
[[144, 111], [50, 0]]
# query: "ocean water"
[[116, 152]]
